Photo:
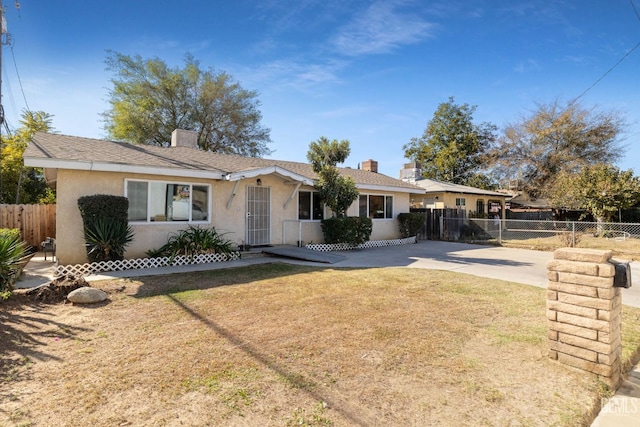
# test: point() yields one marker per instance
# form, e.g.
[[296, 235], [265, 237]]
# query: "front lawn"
[[279, 344]]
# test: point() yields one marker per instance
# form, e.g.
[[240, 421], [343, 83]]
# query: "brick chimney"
[[370, 165], [184, 138]]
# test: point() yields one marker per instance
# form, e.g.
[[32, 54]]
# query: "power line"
[[634, 9], [608, 71], [19, 80], [633, 6]]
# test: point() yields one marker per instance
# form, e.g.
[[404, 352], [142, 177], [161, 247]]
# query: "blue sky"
[[371, 72]]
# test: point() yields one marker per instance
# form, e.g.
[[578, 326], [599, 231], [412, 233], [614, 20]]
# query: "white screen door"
[[258, 215]]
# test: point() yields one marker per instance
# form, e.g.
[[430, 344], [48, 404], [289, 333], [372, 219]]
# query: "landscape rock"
[[87, 295]]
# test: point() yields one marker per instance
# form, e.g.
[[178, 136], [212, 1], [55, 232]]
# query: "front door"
[[258, 215]]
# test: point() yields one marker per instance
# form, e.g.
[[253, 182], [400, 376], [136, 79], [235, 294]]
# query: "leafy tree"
[[452, 146], [338, 192], [20, 184], [600, 189], [149, 100], [555, 138]]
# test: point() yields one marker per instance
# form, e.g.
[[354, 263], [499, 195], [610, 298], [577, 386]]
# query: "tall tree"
[[600, 189], [20, 184], [452, 146], [555, 138], [338, 192], [149, 100]]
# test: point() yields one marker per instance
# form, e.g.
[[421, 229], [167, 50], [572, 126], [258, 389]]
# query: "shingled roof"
[[434, 186], [56, 151]]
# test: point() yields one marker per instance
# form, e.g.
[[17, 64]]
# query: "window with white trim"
[[375, 206], [160, 201], [309, 206], [461, 201]]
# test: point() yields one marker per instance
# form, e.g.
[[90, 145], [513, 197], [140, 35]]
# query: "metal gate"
[[258, 215]]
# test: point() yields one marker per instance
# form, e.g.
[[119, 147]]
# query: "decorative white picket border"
[[328, 247], [137, 263]]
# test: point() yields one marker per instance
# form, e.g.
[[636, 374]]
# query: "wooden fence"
[[35, 222], [435, 227]]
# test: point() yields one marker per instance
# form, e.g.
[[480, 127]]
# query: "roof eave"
[[119, 167], [388, 188], [269, 170]]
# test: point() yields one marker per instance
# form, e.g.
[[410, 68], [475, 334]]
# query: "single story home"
[[254, 201], [445, 195]]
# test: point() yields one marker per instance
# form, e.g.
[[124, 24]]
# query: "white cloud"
[[347, 111], [381, 29], [298, 73], [527, 66]]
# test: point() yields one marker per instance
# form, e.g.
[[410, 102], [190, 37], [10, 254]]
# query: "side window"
[[304, 205], [310, 206], [376, 207]]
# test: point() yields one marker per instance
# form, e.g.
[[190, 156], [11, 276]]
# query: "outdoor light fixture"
[[259, 182]]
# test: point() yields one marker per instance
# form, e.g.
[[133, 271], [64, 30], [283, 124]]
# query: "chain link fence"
[[544, 234]]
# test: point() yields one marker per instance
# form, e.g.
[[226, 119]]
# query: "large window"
[[461, 201], [157, 201], [376, 206], [310, 206]]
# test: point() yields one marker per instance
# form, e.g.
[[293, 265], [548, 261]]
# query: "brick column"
[[583, 312]]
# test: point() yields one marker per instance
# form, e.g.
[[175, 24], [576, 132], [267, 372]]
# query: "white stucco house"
[[254, 201]]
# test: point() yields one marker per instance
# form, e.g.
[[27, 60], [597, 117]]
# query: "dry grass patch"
[[289, 345], [628, 249]]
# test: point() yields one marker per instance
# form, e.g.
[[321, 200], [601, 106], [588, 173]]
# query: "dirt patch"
[[57, 290], [285, 345]]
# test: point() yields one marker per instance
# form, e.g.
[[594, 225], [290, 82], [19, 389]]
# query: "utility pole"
[[3, 23]]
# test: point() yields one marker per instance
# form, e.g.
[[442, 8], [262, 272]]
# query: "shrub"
[[106, 239], [106, 227], [353, 230], [12, 249], [569, 239], [194, 241], [410, 223], [103, 206], [473, 231]]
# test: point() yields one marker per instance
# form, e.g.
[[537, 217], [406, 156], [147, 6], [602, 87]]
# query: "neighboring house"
[[255, 201], [523, 207], [444, 195]]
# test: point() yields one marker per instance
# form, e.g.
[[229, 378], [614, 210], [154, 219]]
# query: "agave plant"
[[106, 239], [12, 250], [193, 241]]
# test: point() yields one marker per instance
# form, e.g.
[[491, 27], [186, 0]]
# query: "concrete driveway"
[[515, 265]]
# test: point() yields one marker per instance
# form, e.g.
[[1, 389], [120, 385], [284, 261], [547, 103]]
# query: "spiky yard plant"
[[12, 250], [106, 239], [193, 241]]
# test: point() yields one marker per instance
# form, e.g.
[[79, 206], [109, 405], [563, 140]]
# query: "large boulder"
[[87, 295]]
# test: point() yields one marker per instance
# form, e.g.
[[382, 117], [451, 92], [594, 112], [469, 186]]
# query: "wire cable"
[[607, 72], [634, 9], [617, 63], [19, 80]]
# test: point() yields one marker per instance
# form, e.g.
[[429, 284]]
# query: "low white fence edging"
[[137, 263], [328, 247]]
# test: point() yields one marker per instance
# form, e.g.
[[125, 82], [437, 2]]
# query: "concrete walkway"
[[515, 265]]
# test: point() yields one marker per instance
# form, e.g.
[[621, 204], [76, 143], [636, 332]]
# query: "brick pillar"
[[584, 312]]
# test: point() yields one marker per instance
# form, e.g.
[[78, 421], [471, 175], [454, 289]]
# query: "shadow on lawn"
[[208, 279], [264, 360], [24, 335]]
